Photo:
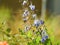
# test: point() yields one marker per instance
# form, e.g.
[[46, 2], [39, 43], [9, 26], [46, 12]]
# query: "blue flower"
[[36, 25], [43, 40], [42, 22], [46, 37]]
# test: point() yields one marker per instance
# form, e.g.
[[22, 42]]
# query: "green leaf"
[[29, 34], [8, 30], [38, 39]]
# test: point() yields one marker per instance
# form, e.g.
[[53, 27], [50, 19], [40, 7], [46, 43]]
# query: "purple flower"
[[46, 37], [41, 22], [43, 40]]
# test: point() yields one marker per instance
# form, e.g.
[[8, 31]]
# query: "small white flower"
[[34, 15], [27, 28], [26, 13], [44, 33], [32, 7], [24, 2], [36, 21]]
